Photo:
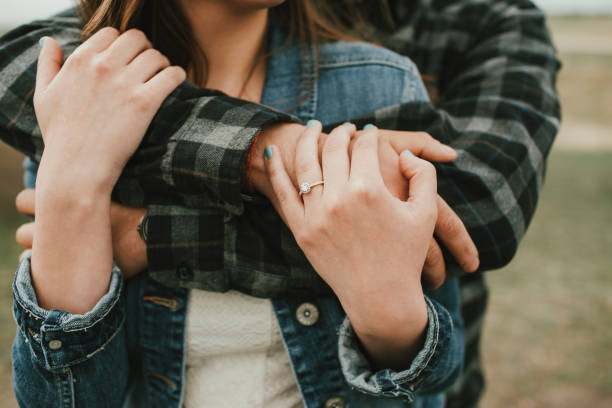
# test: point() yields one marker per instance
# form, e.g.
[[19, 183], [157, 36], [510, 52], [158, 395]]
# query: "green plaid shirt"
[[495, 69]]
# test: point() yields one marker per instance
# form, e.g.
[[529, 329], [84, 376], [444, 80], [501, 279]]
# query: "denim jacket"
[[129, 350]]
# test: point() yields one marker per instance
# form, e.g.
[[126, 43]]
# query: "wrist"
[[283, 135], [72, 173]]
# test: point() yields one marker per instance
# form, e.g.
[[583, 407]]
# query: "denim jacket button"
[[184, 272], [55, 344], [307, 314], [335, 402]]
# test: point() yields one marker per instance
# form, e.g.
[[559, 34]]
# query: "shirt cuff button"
[[55, 344], [307, 314]]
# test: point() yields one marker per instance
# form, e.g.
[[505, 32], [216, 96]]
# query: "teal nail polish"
[[347, 124], [368, 126], [41, 42], [268, 152], [312, 123], [408, 152]]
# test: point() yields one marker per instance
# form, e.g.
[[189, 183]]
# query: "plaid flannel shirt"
[[495, 70]]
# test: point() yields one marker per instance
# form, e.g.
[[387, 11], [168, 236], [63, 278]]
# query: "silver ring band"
[[305, 188]]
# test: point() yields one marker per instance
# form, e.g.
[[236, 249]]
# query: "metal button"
[[55, 344], [184, 272], [335, 402], [307, 314]]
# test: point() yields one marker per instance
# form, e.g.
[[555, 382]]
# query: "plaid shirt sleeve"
[[195, 144], [495, 69], [191, 156]]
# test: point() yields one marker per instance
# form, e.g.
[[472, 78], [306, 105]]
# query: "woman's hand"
[[94, 110], [450, 230], [368, 245], [129, 250]]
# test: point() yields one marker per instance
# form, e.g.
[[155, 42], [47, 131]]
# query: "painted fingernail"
[[368, 126], [312, 123], [408, 152], [41, 42], [347, 124], [268, 152]]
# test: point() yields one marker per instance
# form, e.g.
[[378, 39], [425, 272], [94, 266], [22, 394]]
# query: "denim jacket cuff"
[[405, 384], [59, 339]]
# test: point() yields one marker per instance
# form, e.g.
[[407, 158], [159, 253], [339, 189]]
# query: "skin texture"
[[120, 80], [87, 143], [363, 227]]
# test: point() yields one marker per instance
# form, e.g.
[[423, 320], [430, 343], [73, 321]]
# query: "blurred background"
[[548, 336]]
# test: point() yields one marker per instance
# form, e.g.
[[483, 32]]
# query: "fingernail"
[[408, 152], [368, 126], [41, 42], [347, 124], [312, 123], [268, 152]]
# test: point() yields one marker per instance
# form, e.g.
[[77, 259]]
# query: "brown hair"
[[167, 26]]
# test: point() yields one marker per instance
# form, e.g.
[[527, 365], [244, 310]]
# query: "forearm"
[[495, 69], [72, 253]]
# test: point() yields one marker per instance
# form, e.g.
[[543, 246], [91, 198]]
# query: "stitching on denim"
[[162, 301], [163, 378], [349, 63]]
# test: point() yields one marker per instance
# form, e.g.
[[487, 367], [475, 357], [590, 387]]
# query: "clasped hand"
[[367, 244]]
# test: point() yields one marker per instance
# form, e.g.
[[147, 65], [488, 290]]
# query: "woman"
[[400, 331]]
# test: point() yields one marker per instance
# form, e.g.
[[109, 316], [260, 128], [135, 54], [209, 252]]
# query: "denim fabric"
[[130, 347]]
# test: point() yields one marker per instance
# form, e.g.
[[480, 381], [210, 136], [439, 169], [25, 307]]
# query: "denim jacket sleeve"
[[54, 350], [434, 369]]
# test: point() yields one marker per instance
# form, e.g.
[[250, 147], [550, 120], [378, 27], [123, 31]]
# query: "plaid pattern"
[[495, 70]]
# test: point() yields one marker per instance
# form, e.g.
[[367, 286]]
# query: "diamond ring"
[[305, 188]]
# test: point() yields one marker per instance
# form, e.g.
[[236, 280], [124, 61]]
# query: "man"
[[493, 68]]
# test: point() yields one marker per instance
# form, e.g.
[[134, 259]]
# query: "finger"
[[336, 162], [452, 233], [128, 46], [308, 169], [422, 183], [99, 42], [163, 83], [49, 63], [25, 235], [421, 144], [434, 269], [25, 202], [287, 200], [364, 159], [147, 64]]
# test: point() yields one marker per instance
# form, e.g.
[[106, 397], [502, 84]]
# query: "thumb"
[[49, 63]]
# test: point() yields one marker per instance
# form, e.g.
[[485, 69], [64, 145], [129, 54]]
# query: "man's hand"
[[449, 228], [129, 251]]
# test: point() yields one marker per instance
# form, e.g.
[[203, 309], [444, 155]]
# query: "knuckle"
[[304, 238], [110, 31], [140, 100], [362, 192], [335, 207], [450, 226], [135, 34], [102, 66], [176, 74]]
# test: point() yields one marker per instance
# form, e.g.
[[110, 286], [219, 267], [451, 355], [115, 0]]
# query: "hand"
[[129, 251], [449, 227], [450, 230], [94, 110], [368, 245]]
